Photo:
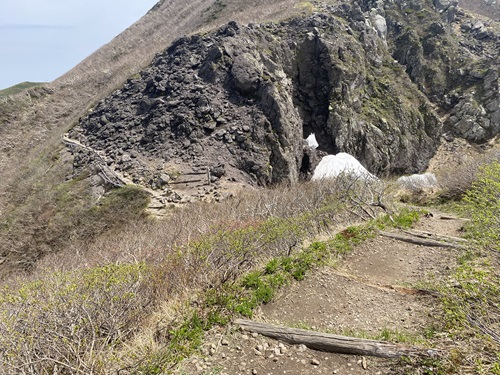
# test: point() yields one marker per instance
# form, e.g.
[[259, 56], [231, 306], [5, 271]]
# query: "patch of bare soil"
[[372, 291], [386, 261]]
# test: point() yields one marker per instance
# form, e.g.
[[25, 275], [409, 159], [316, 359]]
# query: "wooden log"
[[332, 343], [448, 217], [419, 241], [434, 236], [194, 173], [178, 182]]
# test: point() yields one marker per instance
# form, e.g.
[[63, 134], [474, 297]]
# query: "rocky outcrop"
[[453, 59], [246, 97]]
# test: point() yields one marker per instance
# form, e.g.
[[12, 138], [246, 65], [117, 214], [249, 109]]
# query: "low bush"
[[482, 205], [471, 298], [71, 322], [456, 180]]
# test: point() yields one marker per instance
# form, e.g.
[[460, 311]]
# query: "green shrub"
[[482, 204], [70, 322], [456, 180]]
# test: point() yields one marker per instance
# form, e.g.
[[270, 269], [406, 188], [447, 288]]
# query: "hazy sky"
[[40, 40]]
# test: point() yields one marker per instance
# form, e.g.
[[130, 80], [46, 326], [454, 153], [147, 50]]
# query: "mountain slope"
[[48, 112], [380, 80], [33, 162]]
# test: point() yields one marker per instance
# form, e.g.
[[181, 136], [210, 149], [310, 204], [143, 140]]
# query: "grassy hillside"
[[16, 89]]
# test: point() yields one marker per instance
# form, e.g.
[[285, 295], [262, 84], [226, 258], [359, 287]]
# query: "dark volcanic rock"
[[245, 97]]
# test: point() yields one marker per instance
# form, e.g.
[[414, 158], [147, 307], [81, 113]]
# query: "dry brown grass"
[[153, 240]]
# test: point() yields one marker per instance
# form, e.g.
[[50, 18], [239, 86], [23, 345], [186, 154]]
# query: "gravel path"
[[369, 292]]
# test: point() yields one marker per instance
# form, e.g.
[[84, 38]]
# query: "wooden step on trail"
[[334, 343], [421, 241], [434, 236]]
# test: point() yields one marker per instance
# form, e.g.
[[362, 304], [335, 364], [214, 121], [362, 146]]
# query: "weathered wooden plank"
[[332, 343], [419, 241], [178, 182], [434, 236]]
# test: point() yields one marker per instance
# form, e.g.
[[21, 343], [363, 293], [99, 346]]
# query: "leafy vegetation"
[[471, 298], [472, 301], [230, 264], [70, 320], [230, 268], [482, 204]]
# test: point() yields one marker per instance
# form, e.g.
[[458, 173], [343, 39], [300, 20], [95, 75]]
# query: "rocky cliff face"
[[453, 59], [376, 79]]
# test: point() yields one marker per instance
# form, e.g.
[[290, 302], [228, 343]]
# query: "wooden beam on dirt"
[[434, 236], [419, 241], [448, 217], [178, 182], [194, 173], [332, 343]]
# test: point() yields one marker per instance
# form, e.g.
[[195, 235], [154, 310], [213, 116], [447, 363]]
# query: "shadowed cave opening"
[[305, 165], [312, 94]]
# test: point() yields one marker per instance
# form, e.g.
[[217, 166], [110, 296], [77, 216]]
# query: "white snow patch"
[[312, 142], [418, 181], [333, 165]]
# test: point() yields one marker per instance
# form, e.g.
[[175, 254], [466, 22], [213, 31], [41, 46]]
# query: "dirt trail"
[[372, 290]]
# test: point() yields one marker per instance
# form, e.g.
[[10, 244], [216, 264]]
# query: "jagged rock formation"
[[454, 61], [370, 79], [32, 122]]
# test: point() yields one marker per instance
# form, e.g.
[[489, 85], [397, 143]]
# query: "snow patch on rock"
[[418, 181], [333, 165], [312, 142]]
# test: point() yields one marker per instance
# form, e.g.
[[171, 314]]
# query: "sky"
[[41, 40]]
